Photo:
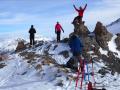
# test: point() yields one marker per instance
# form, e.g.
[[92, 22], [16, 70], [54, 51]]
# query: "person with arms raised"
[[80, 13]]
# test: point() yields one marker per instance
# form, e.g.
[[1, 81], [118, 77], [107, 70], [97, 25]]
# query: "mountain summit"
[[43, 66]]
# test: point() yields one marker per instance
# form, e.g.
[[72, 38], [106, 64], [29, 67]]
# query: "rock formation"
[[20, 46], [102, 35], [87, 38], [79, 28], [117, 41]]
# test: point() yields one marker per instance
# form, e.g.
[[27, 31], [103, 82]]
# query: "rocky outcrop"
[[102, 35], [3, 57], [72, 63], [87, 38], [65, 40], [112, 62], [64, 53], [117, 41], [2, 65], [79, 28], [20, 46]]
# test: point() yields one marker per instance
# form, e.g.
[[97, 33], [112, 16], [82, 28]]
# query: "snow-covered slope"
[[39, 74], [114, 27]]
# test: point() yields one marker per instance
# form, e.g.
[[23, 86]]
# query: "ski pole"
[[88, 71], [93, 73], [78, 73], [83, 71]]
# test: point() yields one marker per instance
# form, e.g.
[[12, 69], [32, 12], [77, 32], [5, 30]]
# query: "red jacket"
[[81, 11], [58, 27]]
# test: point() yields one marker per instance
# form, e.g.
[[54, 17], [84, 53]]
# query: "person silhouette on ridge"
[[32, 32], [58, 29], [80, 13]]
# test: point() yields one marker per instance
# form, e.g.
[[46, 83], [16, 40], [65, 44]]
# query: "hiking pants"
[[58, 36], [32, 40]]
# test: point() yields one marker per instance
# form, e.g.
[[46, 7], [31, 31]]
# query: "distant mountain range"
[[114, 27]]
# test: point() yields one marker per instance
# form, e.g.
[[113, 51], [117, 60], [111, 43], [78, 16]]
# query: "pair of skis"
[[81, 68], [83, 63], [78, 74]]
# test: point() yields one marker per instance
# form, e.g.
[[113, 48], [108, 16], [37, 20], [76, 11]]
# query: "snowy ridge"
[[18, 74], [117, 21]]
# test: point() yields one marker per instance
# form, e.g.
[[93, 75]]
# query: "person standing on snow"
[[80, 13], [32, 32], [58, 29], [76, 48]]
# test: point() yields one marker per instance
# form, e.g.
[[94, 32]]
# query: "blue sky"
[[18, 15]]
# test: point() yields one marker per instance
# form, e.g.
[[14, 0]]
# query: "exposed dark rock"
[[118, 34], [30, 56], [99, 89], [117, 41], [103, 71], [65, 40], [102, 35], [40, 43], [97, 59], [47, 60], [73, 63], [111, 55], [112, 62], [79, 28], [104, 57], [2, 65], [86, 55], [59, 83], [47, 49], [21, 46], [55, 47], [64, 53], [4, 57], [38, 67], [87, 38]]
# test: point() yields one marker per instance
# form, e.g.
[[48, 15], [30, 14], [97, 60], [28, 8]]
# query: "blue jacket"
[[76, 45]]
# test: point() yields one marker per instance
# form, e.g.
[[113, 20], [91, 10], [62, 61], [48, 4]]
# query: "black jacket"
[[32, 31]]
